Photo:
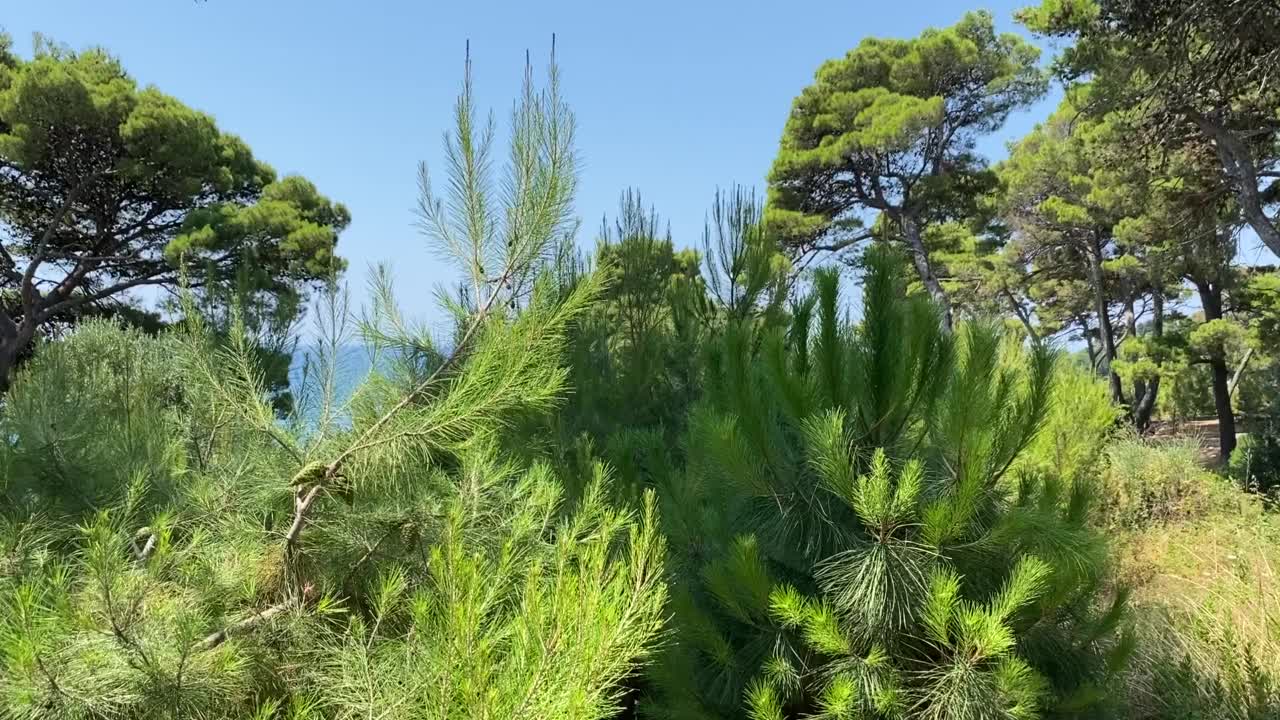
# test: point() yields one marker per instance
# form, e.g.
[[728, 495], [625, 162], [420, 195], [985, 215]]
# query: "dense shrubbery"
[[681, 484], [866, 518], [144, 576], [1150, 484], [172, 548], [1205, 591]]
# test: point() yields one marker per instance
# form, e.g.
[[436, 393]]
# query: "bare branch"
[[252, 621], [28, 290]]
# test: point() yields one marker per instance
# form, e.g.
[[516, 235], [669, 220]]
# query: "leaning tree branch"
[[71, 303], [250, 622], [306, 496], [28, 289]]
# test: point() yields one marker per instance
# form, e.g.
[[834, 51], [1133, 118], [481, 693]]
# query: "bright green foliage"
[[659, 481], [1077, 428], [57, 454], [860, 545], [428, 568], [105, 186], [171, 549], [889, 129]]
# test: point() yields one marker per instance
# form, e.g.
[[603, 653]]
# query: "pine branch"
[[303, 501], [554, 174], [252, 621]]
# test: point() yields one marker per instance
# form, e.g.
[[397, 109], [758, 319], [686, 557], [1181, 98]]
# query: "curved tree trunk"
[[924, 268], [1106, 332], [1242, 171], [1145, 403], [1023, 316]]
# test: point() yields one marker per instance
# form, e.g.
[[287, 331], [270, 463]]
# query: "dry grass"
[[1203, 560], [1150, 484]]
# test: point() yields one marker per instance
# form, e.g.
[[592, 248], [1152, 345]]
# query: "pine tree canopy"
[[106, 187], [889, 130]]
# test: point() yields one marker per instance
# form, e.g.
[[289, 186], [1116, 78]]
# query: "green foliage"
[[659, 481], [1079, 425], [103, 619], [58, 449], [1149, 484], [1255, 466], [1205, 597], [871, 121], [172, 549], [105, 186], [631, 359], [890, 129], [859, 544], [746, 272]]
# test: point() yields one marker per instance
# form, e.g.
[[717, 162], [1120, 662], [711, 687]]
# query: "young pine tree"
[[850, 541], [170, 549]]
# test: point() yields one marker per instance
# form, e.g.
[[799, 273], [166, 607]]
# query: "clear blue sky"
[[673, 97]]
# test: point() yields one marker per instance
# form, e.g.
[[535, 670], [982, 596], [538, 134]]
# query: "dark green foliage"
[[1256, 463], [106, 186], [881, 144], [1186, 694], [636, 360], [853, 541], [632, 366]]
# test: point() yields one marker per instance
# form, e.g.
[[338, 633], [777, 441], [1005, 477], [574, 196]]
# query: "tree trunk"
[[1211, 301], [1222, 406], [1242, 172], [14, 338], [1088, 342], [8, 355], [1131, 331], [1022, 314], [1235, 379], [1106, 333], [924, 268], [1145, 404]]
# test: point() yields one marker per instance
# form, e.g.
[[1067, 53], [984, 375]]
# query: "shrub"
[[94, 415], [1079, 423], [1255, 464], [859, 546], [1146, 484]]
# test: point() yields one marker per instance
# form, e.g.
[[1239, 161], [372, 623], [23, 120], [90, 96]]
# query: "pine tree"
[[171, 549], [858, 535]]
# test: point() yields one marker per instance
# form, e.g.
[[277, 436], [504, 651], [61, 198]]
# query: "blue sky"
[[672, 97]]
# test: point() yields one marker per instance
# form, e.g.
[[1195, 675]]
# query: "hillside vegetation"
[[663, 479]]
